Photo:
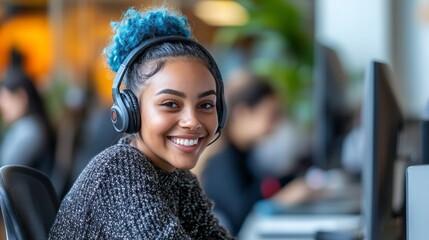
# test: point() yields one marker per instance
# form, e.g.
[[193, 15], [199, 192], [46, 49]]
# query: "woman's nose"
[[189, 119]]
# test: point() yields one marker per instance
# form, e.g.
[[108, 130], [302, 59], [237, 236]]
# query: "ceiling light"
[[221, 13]]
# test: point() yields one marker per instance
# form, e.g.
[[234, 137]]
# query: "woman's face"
[[264, 117], [252, 124], [178, 114], [12, 104]]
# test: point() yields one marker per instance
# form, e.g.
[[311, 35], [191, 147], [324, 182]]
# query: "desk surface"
[[269, 220], [267, 227]]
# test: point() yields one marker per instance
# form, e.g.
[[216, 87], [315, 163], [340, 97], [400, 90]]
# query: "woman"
[[255, 110], [29, 139], [172, 109]]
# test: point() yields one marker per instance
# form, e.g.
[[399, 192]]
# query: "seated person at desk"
[[254, 111], [29, 139]]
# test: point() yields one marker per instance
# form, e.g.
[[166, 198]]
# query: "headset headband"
[[135, 53]]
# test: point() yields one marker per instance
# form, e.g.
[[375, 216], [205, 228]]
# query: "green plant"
[[279, 44]]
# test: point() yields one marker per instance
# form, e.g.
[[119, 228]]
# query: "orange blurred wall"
[[31, 34]]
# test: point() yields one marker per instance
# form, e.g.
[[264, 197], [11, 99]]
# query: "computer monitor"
[[382, 120], [333, 116], [424, 142]]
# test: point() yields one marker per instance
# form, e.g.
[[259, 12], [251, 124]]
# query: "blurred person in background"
[[69, 125], [228, 177], [29, 138], [96, 133], [233, 83], [84, 130]]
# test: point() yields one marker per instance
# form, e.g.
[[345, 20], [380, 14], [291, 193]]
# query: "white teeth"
[[185, 142]]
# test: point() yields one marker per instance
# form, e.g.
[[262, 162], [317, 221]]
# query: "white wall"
[[358, 29], [392, 31], [411, 53]]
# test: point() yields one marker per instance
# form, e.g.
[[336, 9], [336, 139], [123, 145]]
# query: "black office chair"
[[28, 202]]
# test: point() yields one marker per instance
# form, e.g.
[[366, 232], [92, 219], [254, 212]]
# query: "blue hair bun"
[[135, 27]]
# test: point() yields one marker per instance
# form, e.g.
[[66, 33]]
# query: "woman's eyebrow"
[[172, 92], [207, 93], [182, 94]]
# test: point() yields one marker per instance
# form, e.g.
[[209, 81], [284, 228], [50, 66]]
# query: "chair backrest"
[[28, 201]]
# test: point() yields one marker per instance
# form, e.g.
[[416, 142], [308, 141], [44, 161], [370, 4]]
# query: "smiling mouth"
[[187, 142]]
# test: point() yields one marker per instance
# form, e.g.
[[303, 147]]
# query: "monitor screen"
[[424, 135], [382, 120], [333, 117]]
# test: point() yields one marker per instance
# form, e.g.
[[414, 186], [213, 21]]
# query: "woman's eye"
[[170, 105], [207, 106]]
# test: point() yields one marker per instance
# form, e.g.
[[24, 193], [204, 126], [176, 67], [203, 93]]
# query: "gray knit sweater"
[[123, 195]]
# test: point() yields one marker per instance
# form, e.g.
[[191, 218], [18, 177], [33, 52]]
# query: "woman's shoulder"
[[121, 160], [120, 166], [119, 151], [27, 126], [226, 158], [24, 132]]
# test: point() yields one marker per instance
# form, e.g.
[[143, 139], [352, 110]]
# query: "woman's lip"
[[187, 136], [180, 143], [181, 140]]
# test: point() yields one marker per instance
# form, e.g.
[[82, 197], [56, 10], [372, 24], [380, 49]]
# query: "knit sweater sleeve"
[[116, 197], [196, 211]]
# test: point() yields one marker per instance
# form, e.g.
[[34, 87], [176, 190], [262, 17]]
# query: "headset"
[[125, 112]]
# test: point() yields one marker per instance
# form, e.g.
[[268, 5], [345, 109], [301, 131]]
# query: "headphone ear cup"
[[119, 115], [133, 110]]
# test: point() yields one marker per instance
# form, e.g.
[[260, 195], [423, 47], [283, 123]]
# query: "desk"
[[339, 213], [295, 227]]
